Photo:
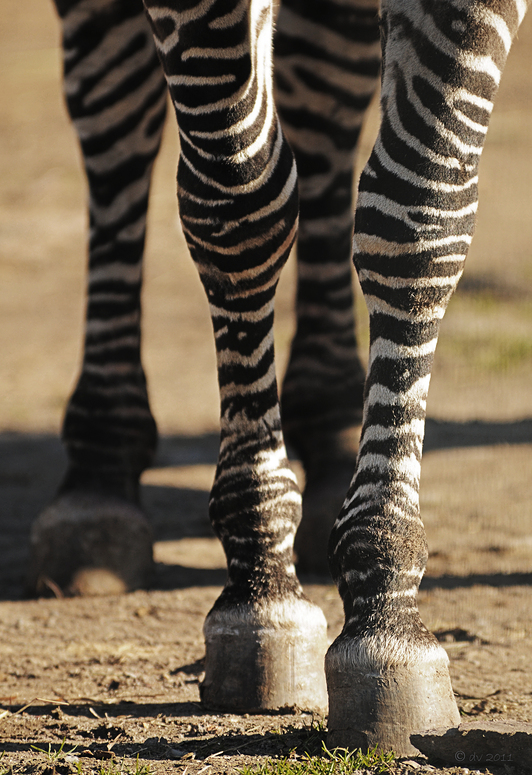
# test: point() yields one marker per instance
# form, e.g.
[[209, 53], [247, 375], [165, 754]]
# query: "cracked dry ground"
[[117, 678]]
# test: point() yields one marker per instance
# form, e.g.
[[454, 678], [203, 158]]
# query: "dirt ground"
[[117, 678]]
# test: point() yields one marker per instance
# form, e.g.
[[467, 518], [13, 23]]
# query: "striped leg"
[[327, 57], [238, 202], [94, 532], [387, 676]]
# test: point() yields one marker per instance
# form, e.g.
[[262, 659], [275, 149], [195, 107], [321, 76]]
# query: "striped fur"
[[116, 97], [237, 190], [327, 60], [414, 223]]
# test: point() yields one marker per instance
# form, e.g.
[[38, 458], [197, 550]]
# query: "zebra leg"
[[327, 61], [237, 190], [387, 675], [94, 537]]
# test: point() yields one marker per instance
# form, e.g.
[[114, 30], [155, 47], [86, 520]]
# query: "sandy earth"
[[118, 678]]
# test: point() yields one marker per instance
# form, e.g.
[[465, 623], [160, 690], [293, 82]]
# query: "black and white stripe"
[[442, 61], [116, 97], [414, 223], [327, 60], [237, 190]]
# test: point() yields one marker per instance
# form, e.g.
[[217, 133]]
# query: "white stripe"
[[408, 282], [385, 348], [416, 394], [428, 315], [521, 6]]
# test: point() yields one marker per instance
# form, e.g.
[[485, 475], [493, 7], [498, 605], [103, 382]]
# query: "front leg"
[[387, 675], [237, 191]]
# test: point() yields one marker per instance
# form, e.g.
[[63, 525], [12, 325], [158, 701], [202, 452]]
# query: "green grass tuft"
[[55, 756], [339, 761], [119, 768], [52, 754], [5, 770]]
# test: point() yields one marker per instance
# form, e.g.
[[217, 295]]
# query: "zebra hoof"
[[373, 703], [265, 658], [85, 544]]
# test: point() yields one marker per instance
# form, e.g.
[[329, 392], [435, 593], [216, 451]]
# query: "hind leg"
[[327, 57], [94, 537]]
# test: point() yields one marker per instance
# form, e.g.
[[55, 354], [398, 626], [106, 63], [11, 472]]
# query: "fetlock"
[[94, 538], [109, 431]]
